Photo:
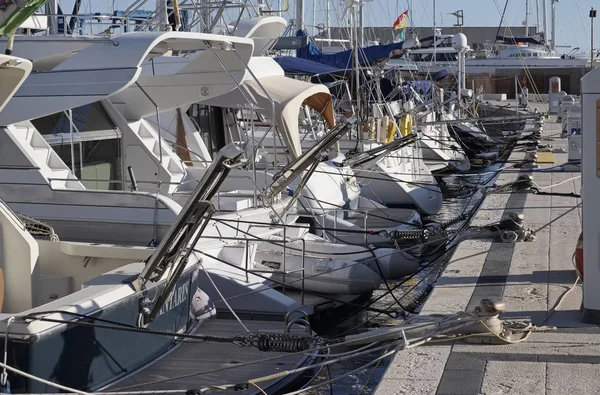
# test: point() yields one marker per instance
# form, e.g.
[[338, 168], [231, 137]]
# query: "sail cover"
[[343, 60], [288, 96], [294, 65]]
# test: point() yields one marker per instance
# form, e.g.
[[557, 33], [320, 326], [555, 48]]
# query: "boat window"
[[88, 118], [446, 57], [447, 42], [96, 144], [427, 42]]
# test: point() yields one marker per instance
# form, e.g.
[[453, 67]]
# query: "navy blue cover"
[[343, 60], [294, 65]]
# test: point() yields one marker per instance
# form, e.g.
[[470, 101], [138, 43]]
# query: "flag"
[[14, 12], [401, 35], [400, 22]]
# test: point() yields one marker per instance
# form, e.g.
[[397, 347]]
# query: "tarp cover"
[[343, 60], [288, 96], [294, 65]]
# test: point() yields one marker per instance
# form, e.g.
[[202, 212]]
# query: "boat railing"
[[91, 20], [199, 11]]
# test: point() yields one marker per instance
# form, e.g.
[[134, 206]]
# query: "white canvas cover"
[[288, 96]]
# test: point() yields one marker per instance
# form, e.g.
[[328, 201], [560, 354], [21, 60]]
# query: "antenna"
[[459, 18]]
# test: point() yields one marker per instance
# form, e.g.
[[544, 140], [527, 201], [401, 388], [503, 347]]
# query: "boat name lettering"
[[271, 264], [179, 296]]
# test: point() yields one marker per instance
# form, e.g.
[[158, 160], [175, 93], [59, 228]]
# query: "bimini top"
[[13, 71], [288, 96], [109, 66]]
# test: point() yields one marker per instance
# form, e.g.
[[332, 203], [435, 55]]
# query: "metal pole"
[[434, 37], [314, 17], [545, 15], [70, 112], [526, 18], [537, 15], [160, 153], [553, 16], [328, 18], [461, 55], [300, 14], [593, 58], [360, 31], [356, 62], [52, 9]]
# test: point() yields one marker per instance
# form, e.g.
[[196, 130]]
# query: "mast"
[[553, 8], [545, 19], [356, 60], [361, 30], [328, 30], [52, 9], [537, 15], [162, 15], [526, 18], [300, 14], [434, 37]]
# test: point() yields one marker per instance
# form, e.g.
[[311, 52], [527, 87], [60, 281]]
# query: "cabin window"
[[96, 144]]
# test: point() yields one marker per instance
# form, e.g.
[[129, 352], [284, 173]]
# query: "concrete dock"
[[531, 277]]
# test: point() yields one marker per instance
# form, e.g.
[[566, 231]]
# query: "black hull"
[[89, 358]]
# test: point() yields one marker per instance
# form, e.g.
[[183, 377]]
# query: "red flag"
[[401, 21]]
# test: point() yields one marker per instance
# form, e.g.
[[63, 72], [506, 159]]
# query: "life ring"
[[579, 256]]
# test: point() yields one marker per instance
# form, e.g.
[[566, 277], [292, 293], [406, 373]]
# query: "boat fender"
[[391, 132], [405, 125], [579, 256]]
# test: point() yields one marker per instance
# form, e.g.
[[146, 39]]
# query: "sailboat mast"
[[553, 5], [163, 16], [52, 9], [434, 37], [526, 18], [537, 15], [361, 31], [327, 11], [356, 60], [300, 14], [545, 15]]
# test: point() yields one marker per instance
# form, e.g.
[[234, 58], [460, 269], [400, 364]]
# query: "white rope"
[[557, 184], [41, 380], [223, 299]]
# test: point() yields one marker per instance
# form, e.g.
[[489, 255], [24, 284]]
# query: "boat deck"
[[531, 277], [197, 364]]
